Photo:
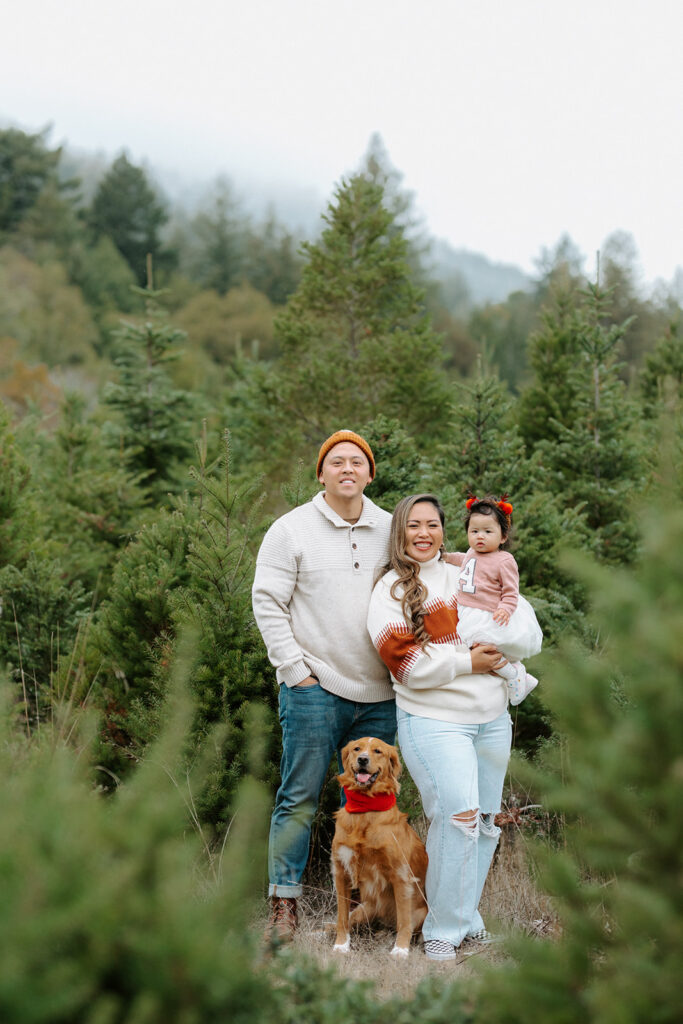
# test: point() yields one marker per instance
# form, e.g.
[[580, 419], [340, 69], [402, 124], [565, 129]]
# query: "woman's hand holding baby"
[[486, 658]]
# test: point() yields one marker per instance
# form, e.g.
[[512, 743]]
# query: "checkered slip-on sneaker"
[[472, 943], [438, 949]]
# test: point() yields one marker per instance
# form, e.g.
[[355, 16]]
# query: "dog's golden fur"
[[377, 852]]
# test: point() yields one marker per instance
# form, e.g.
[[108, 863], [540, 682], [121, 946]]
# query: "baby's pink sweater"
[[491, 583]]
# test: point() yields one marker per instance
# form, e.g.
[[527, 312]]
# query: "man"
[[314, 576]]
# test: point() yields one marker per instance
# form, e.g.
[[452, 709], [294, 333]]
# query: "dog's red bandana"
[[357, 802]]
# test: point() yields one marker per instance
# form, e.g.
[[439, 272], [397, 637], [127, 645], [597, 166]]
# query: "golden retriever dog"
[[374, 848]]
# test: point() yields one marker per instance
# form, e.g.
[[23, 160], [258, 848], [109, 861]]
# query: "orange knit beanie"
[[346, 435]]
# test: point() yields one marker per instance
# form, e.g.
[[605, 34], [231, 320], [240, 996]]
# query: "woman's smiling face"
[[424, 532]]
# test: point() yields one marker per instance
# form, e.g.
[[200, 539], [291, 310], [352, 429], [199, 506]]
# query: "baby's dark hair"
[[491, 506]]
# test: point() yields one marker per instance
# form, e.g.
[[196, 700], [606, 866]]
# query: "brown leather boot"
[[283, 918]]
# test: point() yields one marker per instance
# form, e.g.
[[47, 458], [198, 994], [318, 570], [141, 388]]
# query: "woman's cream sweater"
[[434, 681]]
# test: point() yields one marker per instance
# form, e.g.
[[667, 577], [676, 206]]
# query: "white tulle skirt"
[[521, 638]]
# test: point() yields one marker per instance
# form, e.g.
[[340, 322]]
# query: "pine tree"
[[354, 339], [484, 453], [592, 460], [155, 428], [128, 210], [17, 509], [27, 167], [95, 501], [547, 404], [190, 567], [661, 380]]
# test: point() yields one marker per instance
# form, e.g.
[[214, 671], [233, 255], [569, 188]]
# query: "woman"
[[454, 729]]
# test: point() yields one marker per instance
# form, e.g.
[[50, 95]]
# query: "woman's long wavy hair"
[[408, 587]]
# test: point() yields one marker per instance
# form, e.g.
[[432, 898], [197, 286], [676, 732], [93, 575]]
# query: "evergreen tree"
[[502, 331], [354, 339], [190, 567], [400, 465], [17, 509], [593, 462], [26, 168], [156, 420], [546, 406], [272, 261], [484, 453], [219, 230], [128, 210], [661, 380], [94, 501]]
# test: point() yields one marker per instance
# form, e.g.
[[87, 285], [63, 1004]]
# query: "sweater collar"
[[430, 565], [367, 515], [358, 802]]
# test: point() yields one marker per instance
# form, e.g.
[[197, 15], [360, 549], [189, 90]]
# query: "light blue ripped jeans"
[[457, 768]]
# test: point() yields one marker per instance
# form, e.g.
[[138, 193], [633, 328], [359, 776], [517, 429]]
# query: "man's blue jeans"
[[315, 724]]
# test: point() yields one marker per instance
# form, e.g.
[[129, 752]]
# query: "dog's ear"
[[346, 777], [396, 766]]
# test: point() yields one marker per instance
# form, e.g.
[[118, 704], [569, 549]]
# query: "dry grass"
[[511, 903]]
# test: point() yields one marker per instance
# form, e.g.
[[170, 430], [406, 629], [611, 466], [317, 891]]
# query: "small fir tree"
[[547, 404], [594, 460], [661, 379], [155, 424]]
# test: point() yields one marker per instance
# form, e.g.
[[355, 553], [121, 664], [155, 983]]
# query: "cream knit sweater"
[[314, 577], [435, 681]]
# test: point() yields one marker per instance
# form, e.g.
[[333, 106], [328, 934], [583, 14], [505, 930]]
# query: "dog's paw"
[[399, 951], [342, 947]]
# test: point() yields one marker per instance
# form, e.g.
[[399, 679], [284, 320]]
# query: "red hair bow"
[[470, 502]]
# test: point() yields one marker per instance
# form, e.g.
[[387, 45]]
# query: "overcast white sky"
[[513, 121]]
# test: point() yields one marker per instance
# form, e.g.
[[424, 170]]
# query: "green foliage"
[[617, 776], [661, 380], [219, 241], [44, 312], [114, 910], [40, 619], [26, 167], [595, 460], [547, 405], [502, 331], [16, 508], [156, 420], [354, 338], [95, 501], [400, 466], [272, 263], [103, 275], [224, 325], [127, 209], [192, 567], [484, 452]]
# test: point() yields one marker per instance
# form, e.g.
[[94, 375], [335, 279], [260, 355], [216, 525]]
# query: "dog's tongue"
[[362, 777]]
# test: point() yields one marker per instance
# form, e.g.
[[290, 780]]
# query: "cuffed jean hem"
[[289, 891]]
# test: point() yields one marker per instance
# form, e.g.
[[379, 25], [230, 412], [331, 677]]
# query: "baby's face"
[[484, 533]]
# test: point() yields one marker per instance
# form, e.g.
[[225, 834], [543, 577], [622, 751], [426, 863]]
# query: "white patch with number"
[[467, 577]]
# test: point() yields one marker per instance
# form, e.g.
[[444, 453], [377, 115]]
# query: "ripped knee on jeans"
[[487, 825], [467, 822]]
